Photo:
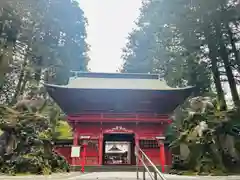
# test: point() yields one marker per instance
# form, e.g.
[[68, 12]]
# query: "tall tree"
[[190, 45], [163, 51], [47, 44]]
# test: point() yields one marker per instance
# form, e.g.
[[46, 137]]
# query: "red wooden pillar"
[[100, 150], [162, 155], [84, 153], [75, 143]]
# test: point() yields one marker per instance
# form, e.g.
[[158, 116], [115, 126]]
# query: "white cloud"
[[110, 21]]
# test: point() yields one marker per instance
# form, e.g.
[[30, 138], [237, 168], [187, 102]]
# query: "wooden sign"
[[160, 138], [75, 151], [118, 129], [84, 137]]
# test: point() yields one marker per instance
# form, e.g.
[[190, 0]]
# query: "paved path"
[[132, 176], [112, 176]]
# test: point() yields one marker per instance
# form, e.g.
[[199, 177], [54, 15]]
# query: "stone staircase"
[[109, 168]]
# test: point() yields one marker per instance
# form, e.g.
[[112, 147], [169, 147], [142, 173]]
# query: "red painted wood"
[[100, 145], [65, 152], [83, 157], [153, 155], [107, 117], [162, 157], [75, 137], [93, 155], [144, 131], [75, 143]]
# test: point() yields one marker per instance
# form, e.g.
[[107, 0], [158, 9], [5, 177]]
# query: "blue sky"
[[109, 21]]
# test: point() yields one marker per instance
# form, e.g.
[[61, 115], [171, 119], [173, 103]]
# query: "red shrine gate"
[[112, 113]]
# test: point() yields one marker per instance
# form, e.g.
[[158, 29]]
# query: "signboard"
[[84, 137], [75, 151], [118, 129], [160, 138]]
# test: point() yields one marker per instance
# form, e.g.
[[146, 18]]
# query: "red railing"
[[120, 117]]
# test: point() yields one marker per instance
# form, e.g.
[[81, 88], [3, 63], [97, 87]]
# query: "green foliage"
[[187, 42], [157, 46], [209, 134], [27, 144], [41, 41], [63, 130]]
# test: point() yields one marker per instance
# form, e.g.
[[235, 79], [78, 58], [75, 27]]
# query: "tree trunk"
[[19, 84], [5, 60], [234, 48], [217, 81], [227, 66], [214, 68], [25, 80], [2, 70], [38, 69]]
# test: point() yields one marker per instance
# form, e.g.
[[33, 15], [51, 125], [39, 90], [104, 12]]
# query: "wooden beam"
[[108, 117]]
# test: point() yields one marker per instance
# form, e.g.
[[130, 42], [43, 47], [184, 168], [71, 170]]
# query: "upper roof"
[[115, 92], [115, 75], [118, 81]]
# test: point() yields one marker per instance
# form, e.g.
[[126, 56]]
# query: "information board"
[[75, 151]]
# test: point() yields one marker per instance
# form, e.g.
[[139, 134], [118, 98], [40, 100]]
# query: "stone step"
[[109, 168], [106, 168]]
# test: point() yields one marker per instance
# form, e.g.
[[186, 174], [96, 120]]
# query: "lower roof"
[[74, 101]]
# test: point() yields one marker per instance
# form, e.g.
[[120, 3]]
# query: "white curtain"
[[122, 146]]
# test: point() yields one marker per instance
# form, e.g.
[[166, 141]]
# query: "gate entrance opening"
[[118, 149]]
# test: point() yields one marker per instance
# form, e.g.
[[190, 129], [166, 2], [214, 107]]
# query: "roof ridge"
[[115, 75]]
